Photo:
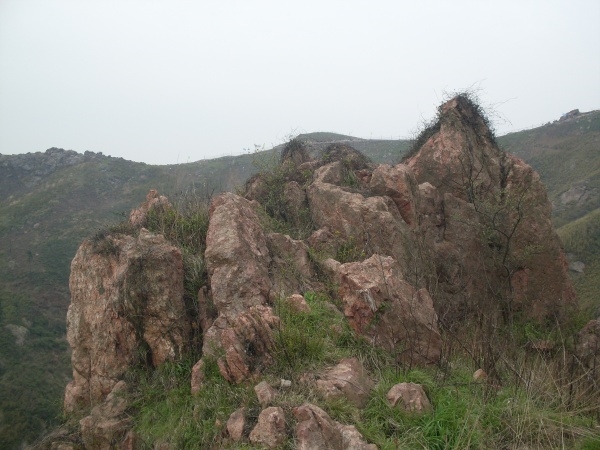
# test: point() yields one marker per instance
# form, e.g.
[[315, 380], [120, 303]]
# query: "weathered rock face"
[[245, 341], [237, 256], [373, 224], [392, 313], [400, 185], [270, 429], [107, 425], [487, 217], [126, 308], [247, 268]]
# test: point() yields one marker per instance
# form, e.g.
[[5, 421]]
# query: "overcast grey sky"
[[178, 81]]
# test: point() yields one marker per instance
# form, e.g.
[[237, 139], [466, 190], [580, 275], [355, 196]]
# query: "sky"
[[176, 81]]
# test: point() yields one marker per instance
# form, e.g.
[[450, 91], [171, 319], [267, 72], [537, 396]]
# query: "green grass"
[[165, 410], [582, 238], [531, 410]]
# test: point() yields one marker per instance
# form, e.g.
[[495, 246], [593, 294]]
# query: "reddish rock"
[[379, 304], [323, 242], [352, 439], [236, 424], [371, 223], [400, 185], [270, 428], [237, 256], [238, 262], [296, 206], [298, 303], [197, 378], [347, 379], [495, 227], [245, 339], [409, 396], [315, 430], [107, 424], [291, 269], [265, 393], [126, 296], [138, 216]]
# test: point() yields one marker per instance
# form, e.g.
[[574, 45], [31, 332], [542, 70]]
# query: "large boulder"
[[373, 224], [237, 255], [238, 261], [126, 308], [488, 219], [394, 315]]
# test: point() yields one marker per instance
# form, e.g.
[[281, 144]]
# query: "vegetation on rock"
[[536, 394]]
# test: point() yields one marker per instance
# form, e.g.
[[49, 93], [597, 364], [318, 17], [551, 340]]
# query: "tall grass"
[[539, 400]]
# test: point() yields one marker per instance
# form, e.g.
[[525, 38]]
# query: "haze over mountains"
[[53, 200]]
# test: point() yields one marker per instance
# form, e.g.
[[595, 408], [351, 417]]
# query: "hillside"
[[336, 303], [52, 200], [566, 153]]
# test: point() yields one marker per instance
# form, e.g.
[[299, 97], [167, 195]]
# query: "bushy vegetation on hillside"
[[429, 128]]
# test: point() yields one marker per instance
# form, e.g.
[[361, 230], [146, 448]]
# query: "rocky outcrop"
[[371, 223], [126, 309], [460, 231], [487, 220], [248, 269], [237, 255], [380, 305]]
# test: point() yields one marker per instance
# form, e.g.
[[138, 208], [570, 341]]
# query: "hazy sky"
[[178, 81]]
